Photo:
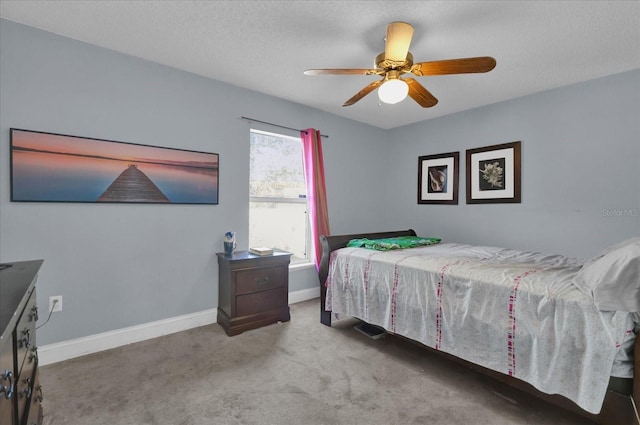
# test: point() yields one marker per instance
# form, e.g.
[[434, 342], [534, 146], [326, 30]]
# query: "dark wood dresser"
[[253, 290], [20, 390]]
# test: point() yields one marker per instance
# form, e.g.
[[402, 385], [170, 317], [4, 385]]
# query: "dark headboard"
[[330, 244]]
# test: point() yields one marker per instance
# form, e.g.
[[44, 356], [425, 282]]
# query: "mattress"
[[514, 312]]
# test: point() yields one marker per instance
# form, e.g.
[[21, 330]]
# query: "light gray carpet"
[[299, 372]]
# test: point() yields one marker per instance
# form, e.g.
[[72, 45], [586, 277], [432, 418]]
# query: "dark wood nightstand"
[[253, 290]]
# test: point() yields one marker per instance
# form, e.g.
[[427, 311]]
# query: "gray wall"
[[121, 265], [580, 165]]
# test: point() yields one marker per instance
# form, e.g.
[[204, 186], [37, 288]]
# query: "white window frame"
[[285, 200]]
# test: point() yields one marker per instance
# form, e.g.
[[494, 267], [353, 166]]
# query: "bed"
[[519, 317]]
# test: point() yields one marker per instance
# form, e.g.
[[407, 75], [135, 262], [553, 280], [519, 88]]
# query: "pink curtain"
[[316, 188]]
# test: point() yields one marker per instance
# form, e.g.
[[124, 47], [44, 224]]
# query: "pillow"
[[613, 280], [611, 248], [386, 244]]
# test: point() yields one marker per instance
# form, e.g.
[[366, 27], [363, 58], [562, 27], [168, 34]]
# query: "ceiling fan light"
[[393, 91]]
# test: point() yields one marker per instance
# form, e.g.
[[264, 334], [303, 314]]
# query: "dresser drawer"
[[26, 332], [24, 390], [260, 279], [260, 302], [7, 381], [34, 414]]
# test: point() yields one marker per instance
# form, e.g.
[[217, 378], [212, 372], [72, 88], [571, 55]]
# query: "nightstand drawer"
[[259, 302], [260, 279]]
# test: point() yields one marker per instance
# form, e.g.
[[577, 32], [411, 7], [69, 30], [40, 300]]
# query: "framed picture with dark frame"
[[50, 167], [493, 174], [438, 178]]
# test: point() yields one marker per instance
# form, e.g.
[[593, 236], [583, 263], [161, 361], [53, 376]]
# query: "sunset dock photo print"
[[48, 167]]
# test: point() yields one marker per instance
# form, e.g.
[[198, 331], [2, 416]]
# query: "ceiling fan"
[[396, 60]]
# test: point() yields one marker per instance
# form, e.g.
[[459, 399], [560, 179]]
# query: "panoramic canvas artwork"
[[47, 167]]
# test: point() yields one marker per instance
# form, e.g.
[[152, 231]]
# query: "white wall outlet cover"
[[55, 306]]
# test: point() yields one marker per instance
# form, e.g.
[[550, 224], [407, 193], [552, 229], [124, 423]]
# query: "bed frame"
[[617, 409]]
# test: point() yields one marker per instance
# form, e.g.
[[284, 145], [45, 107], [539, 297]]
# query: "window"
[[278, 195]]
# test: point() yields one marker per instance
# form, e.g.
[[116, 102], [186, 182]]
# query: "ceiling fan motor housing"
[[388, 64]]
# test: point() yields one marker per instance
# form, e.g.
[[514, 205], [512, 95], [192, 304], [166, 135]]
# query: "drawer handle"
[[40, 396], [262, 281], [26, 338], [7, 390], [34, 313], [27, 391], [34, 354]]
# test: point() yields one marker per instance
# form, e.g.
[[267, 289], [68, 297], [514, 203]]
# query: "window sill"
[[301, 266]]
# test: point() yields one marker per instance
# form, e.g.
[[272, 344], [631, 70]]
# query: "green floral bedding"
[[387, 244]]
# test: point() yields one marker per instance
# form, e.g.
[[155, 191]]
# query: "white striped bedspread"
[[510, 311]]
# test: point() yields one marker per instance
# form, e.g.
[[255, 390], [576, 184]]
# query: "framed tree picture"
[[438, 178], [493, 174]]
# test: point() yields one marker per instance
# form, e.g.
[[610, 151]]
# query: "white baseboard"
[[65, 350], [77, 347], [304, 295]]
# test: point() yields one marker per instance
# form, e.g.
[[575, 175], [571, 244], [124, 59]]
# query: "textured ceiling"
[[265, 46]]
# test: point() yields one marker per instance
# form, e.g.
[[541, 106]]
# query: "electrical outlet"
[[55, 303]]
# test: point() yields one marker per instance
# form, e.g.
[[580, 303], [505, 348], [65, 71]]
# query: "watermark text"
[[621, 212]]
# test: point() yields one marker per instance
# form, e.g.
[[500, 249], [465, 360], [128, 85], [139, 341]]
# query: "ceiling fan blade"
[[454, 66], [343, 71], [362, 93], [420, 94], [399, 36]]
